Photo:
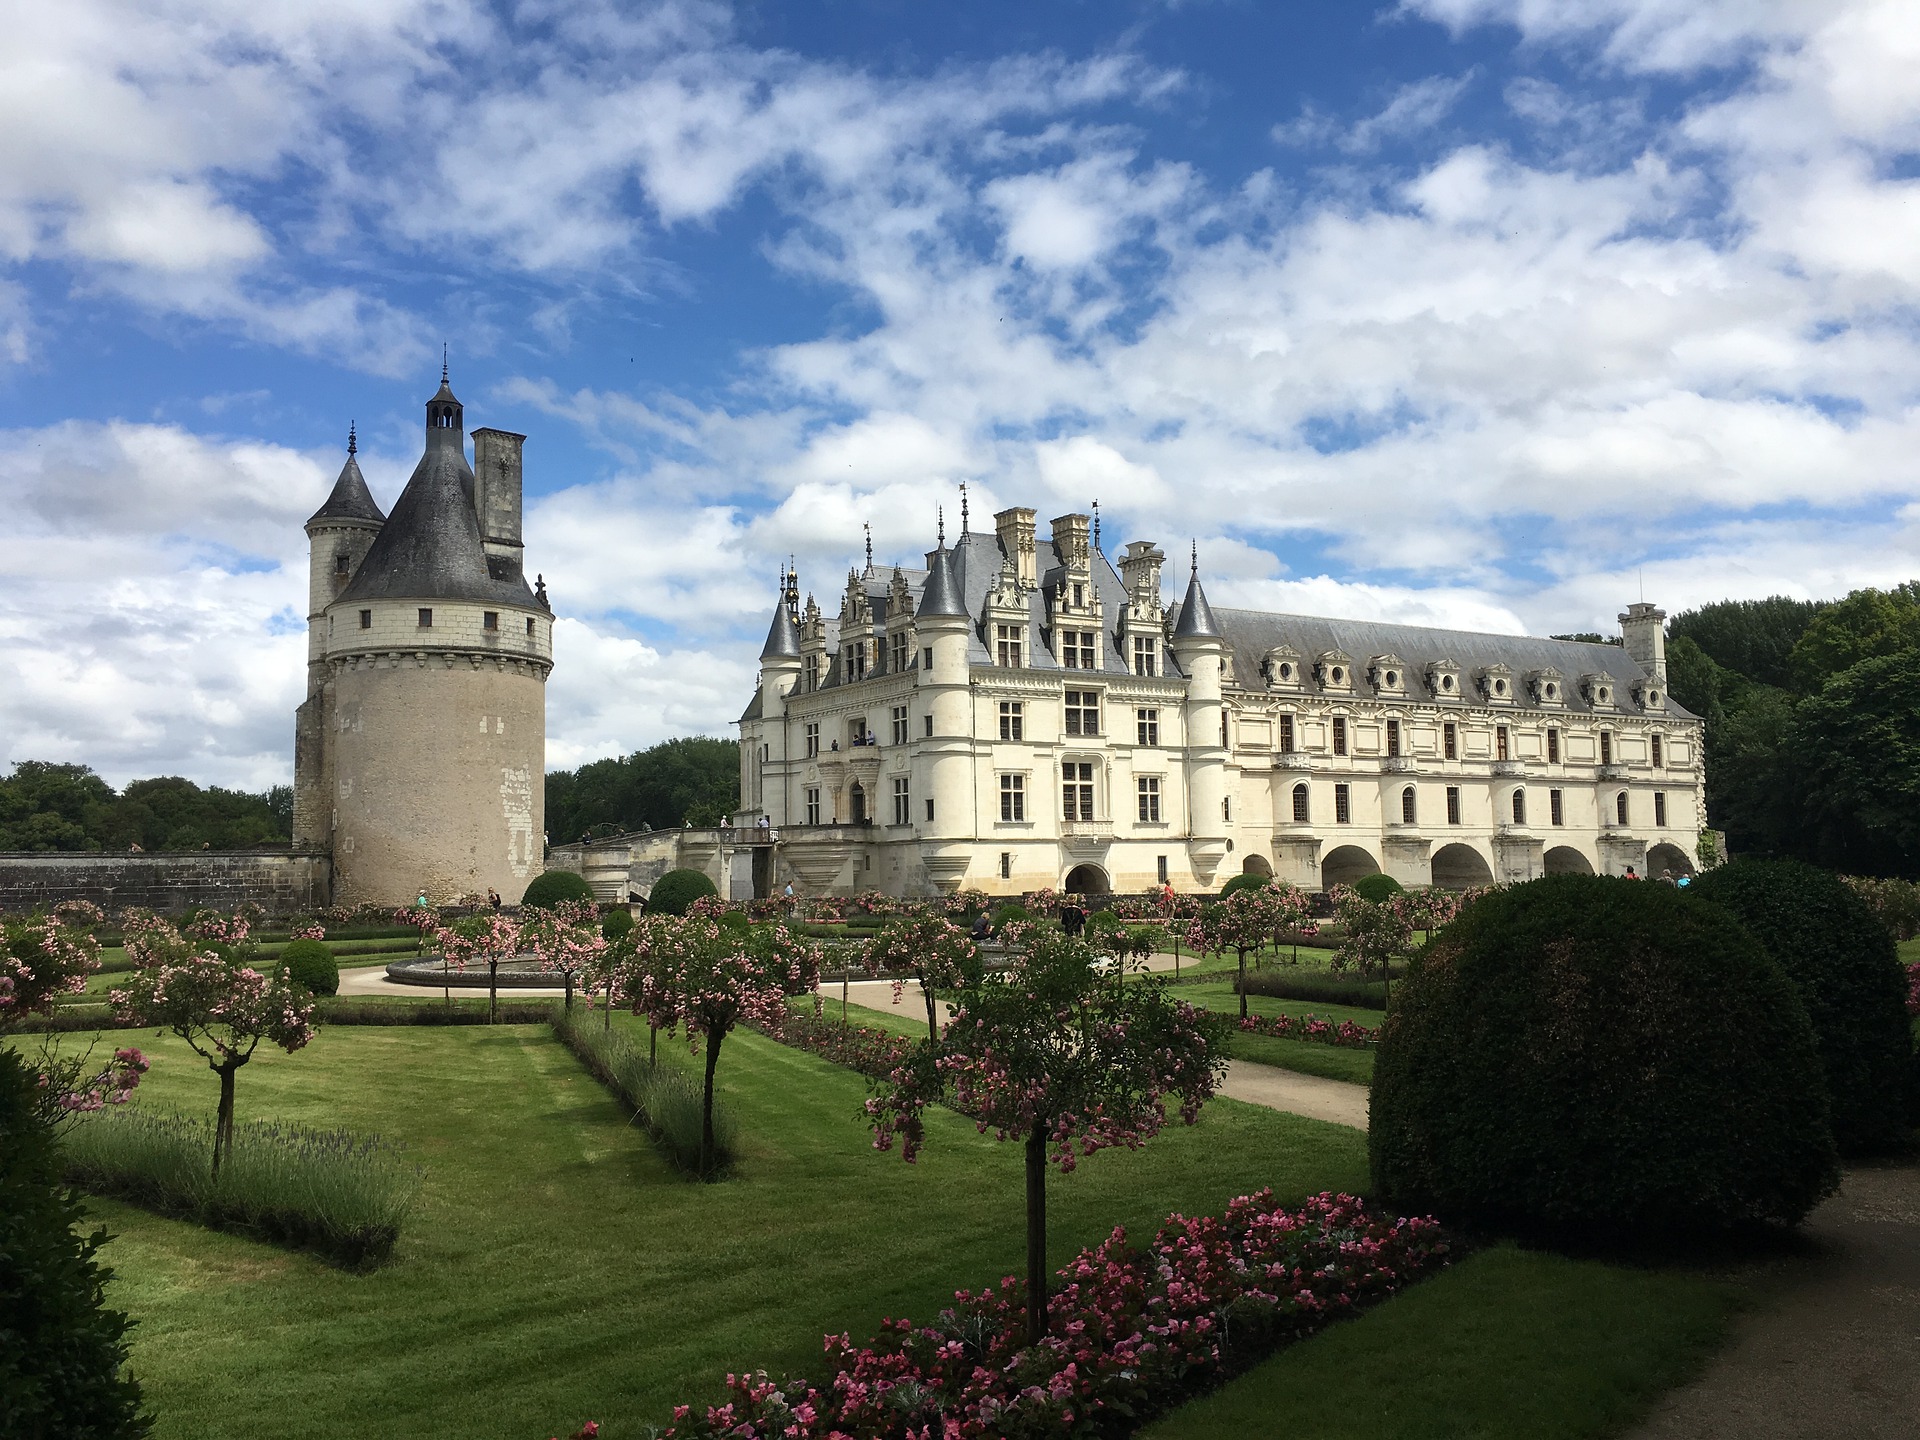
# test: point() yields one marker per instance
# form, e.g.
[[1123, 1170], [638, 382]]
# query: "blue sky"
[[1475, 312]]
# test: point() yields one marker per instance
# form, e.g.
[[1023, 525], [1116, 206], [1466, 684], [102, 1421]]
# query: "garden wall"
[[279, 882]]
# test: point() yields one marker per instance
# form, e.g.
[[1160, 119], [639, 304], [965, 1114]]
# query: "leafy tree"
[[1052, 1053], [1754, 637], [483, 939], [67, 807], [929, 949], [1243, 923], [693, 779], [1694, 679], [1373, 933], [1866, 625], [1856, 747], [565, 937]]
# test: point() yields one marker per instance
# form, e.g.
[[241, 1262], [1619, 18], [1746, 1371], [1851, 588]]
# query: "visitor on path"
[[787, 894], [493, 899], [422, 901]]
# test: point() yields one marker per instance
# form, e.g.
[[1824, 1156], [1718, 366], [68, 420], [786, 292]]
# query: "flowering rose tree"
[[484, 939], [217, 1002], [1243, 922], [929, 949], [1373, 934], [43, 957], [1047, 1051], [566, 939]]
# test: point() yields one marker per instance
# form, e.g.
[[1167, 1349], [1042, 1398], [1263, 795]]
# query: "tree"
[[694, 778], [67, 807], [1243, 922], [1754, 637], [484, 939], [1049, 1052], [208, 995], [45, 956], [565, 937], [929, 949], [1373, 933], [1869, 624], [1857, 744]]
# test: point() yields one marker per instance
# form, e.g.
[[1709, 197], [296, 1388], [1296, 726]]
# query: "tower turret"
[[1201, 651], [942, 625]]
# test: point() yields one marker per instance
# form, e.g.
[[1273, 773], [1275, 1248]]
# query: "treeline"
[[44, 806], [1812, 713], [692, 780]]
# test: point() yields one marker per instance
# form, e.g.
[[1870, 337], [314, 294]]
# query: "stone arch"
[[1565, 860], [1460, 867], [1668, 857], [1087, 880], [1346, 864], [857, 804], [1257, 865]]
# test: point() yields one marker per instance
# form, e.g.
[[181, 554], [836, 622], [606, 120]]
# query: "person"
[[788, 895], [1666, 877], [422, 901], [1630, 873], [493, 898], [981, 929]]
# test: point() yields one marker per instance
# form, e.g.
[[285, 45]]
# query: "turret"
[[943, 627], [339, 534], [1644, 628], [1201, 650]]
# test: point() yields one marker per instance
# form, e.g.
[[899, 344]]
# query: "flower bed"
[[1312, 1027], [870, 1051], [1913, 988], [1132, 1332]]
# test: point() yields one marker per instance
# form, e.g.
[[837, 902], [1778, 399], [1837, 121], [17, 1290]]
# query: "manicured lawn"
[[557, 1270], [1507, 1345], [1333, 1062]]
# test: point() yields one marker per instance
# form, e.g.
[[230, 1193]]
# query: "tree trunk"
[[846, 971], [1243, 985], [606, 1022], [933, 1009], [1036, 1233], [706, 1106], [493, 988], [569, 989], [653, 1043], [223, 1122]]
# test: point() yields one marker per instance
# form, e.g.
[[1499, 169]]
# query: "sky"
[[1496, 314]]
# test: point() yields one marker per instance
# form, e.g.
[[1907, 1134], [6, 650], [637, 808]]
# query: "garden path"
[[1833, 1348]]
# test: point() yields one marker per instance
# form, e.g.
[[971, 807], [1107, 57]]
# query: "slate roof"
[[940, 593], [783, 636], [350, 500], [1196, 616]]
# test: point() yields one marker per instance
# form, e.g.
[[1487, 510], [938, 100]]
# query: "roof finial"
[[940, 512], [864, 525], [1096, 527], [443, 362], [965, 525], [1196, 558], [353, 440]]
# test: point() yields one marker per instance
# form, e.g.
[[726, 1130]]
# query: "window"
[[857, 661], [1500, 750], [1286, 733], [1076, 649], [929, 809], [1162, 868], [366, 620], [340, 563], [1620, 807], [489, 619], [1013, 799], [813, 807], [1407, 811], [926, 658], [1149, 799], [902, 802], [426, 618], [1606, 747], [530, 627], [897, 653], [1145, 655], [1300, 804], [1393, 737], [1519, 807], [1556, 808], [1339, 734], [1342, 805], [1660, 809], [1658, 756], [1453, 804], [1083, 712], [1013, 723], [927, 723], [1223, 729], [857, 730], [1009, 646], [1146, 727], [1450, 740], [1076, 790], [1006, 864], [1226, 809], [899, 724], [813, 739], [1553, 747]]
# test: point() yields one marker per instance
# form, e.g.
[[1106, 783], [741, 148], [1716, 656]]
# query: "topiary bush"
[[61, 1349], [1586, 1057], [674, 891], [1843, 962], [551, 887], [1242, 882], [1011, 912], [1378, 888], [311, 964], [616, 922]]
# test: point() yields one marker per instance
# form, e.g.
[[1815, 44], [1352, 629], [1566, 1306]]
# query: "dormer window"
[[1335, 670], [1443, 680], [1388, 675], [1079, 596], [1496, 684], [1549, 687], [1281, 668], [1647, 693], [1599, 691]]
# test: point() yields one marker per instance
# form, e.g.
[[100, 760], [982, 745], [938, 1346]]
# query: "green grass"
[[1332, 1062], [556, 1269], [1507, 1345]]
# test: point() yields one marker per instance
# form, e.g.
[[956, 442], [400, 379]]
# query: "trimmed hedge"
[[1242, 882], [674, 891], [1378, 888], [1595, 1058], [616, 922], [550, 887], [1843, 962], [311, 964]]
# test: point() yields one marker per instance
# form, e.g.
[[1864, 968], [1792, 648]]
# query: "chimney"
[[1140, 570], [1644, 628], [496, 491], [1070, 539], [1015, 529]]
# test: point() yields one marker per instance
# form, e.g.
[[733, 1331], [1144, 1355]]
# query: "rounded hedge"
[[1011, 912], [552, 887], [616, 922], [1242, 882], [674, 891], [311, 964], [1378, 888], [1589, 1057], [1845, 966]]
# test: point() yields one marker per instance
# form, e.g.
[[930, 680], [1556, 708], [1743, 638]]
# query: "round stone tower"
[[420, 754]]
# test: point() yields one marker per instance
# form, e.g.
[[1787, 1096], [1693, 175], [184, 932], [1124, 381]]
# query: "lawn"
[[1508, 1345], [558, 1271], [1333, 1062]]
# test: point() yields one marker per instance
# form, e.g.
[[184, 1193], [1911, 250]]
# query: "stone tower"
[[420, 752]]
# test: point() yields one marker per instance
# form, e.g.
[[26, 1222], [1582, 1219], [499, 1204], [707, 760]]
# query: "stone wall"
[[281, 883]]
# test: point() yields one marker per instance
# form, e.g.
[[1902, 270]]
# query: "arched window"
[[1519, 807], [1406, 805], [1300, 802], [1620, 807]]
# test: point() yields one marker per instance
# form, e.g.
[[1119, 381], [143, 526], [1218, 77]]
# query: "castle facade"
[[1022, 714], [420, 750]]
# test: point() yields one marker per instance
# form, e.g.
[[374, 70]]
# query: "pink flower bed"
[[1913, 988], [1132, 1332], [863, 1048], [1312, 1027]]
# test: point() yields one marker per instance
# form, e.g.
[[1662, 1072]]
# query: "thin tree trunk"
[[846, 972], [606, 1022], [569, 975], [1243, 985], [223, 1121], [1036, 1233], [933, 1009], [706, 1108], [493, 988], [653, 1043]]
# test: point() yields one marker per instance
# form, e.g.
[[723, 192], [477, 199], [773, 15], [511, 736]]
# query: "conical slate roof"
[[941, 594], [783, 639], [350, 500], [1196, 616]]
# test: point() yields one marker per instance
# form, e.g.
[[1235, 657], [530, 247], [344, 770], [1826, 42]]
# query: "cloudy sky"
[[1476, 312]]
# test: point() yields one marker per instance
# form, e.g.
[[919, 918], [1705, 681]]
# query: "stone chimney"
[[1070, 538], [1140, 570], [1644, 628], [496, 491], [1015, 529]]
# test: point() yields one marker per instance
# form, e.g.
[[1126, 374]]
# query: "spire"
[[965, 527], [868, 572], [446, 422], [443, 362], [941, 594], [783, 636], [940, 517], [350, 499], [1196, 616], [353, 440], [1096, 529]]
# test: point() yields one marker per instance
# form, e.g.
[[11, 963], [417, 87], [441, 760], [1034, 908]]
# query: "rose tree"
[[1048, 1050], [1243, 922], [46, 956], [932, 950], [565, 938], [482, 940]]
